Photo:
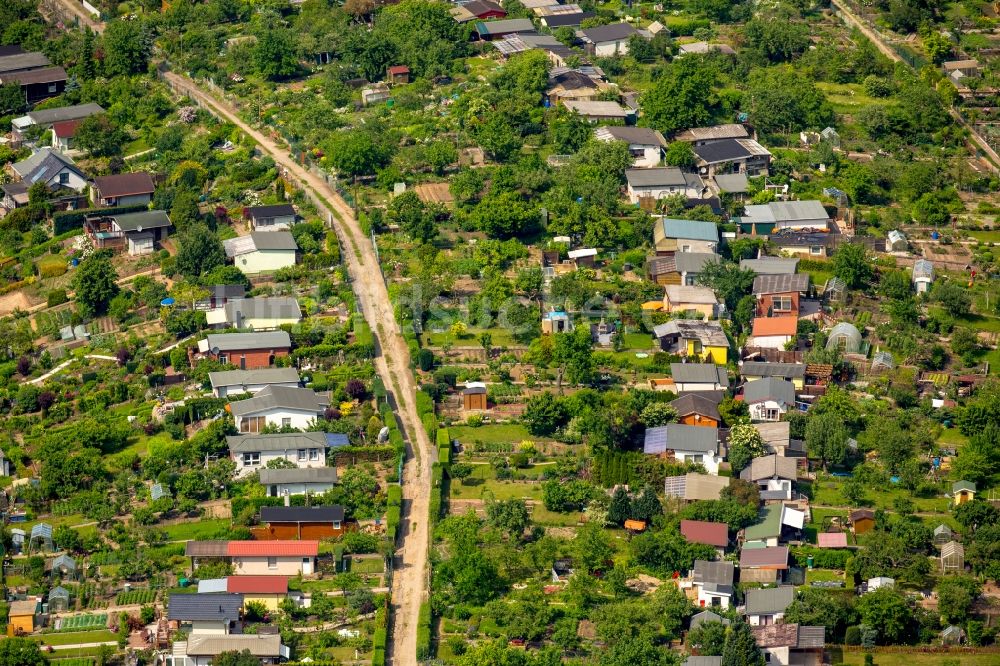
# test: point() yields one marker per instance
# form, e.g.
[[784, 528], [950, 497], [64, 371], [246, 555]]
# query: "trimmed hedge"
[[430, 425], [443, 437], [394, 495], [424, 631], [425, 404]]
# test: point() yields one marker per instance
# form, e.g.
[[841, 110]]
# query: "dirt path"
[[852, 19], [410, 578], [67, 11]]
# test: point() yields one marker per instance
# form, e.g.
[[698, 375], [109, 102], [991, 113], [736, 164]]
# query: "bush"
[[424, 631], [359, 542], [425, 359], [425, 404], [852, 636], [394, 495], [56, 297]]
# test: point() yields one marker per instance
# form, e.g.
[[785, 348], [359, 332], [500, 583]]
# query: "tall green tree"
[[200, 251], [740, 648], [95, 284], [127, 46], [888, 612], [826, 439], [412, 216], [20, 651], [575, 355], [729, 282], [274, 53], [852, 265], [100, 136], [683, 97]]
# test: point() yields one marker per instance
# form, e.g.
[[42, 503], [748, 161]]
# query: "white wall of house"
[[212, 627], [280, 417], [697, 386], [616, 47], [65, 177], [765, 619], [922, 285], [768, 410], [661, 192], [268, 323], [770, 341], [710, 599], [247, 463], [777, 656], [264, 261], [644, 156], [279, 223], [689, 245], [709, 460], [272, 566], [282, 489]]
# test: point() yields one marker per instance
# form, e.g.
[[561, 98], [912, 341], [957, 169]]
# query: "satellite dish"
[[139, 228], [215, 351]]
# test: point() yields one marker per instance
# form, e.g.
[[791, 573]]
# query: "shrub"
[[852, 636], [424, 631], [56, 297]]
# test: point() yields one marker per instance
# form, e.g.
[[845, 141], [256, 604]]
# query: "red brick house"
[[779, 295], [247, 351]]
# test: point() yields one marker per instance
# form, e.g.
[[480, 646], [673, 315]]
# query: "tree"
[[504, 215], [937, 46], [592, 548], [570, 131], [19, 651], [646, 506], [95, 284], [886, 611], [956, 595], [783, 99], [67, 538], [816, 606], [893, 443], [508, 516], [684, 97], [11, 99], [574, 353], [544, 414], [412, 216], [826, 439], [274, 53], [740, 648], [745, 444], [127, 46], [199, 250], [729, 282], [852, 265], [357, 153], [709, 638], [954, 299], [233, 658], [657, 414], [618, 510], [184, 209], [679, 154], [100, 136]]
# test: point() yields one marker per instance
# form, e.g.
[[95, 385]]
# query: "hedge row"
[[823, 558], [424, 631], [430, 423], [444, 447], [425, 404]]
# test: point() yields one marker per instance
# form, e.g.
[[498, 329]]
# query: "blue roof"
[[690, 229], [680, 437]]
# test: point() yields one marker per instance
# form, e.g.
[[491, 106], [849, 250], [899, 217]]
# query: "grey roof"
[[505, 26], [284, 441], [692, 403], [707, 616], [770, 265], [942, 529], [722, 150], [710, 333], [734, 183], [211, 548], [34, 76], [770, 388], [50, 116], [227, 291], [960, 486], [681, 437], [204, 607], [719, 575], [281, 397], [274, 240], [681, 262], [781, 283], [302, 514], [811, 637], [701, 660], [22, 61], [150, 219], [268, 476], [769, 600], [663, 177], [698, 373], [241, 341], [43, 165], [640, 136], [760, 369], [252, 377], [787, 211], [573, 19], [609, 33], [771, 466], [693, 486], [277, 210], [273, 307], [690, 229]]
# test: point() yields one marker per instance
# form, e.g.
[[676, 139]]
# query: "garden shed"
[[895, 241], [835, 289], [952, 557], [845, 337], [923, 275], [58, 600], [41, 537]]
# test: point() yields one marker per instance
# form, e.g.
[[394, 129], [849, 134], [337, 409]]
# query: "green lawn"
[[368, 565], [823, 575], [200, 530], [499, 490], [500, 337], [912, 658], [71, 638], [542, 516], [640, 341], [827, 492], [952, 437], [496, 433], [846, 97], [985, 236]]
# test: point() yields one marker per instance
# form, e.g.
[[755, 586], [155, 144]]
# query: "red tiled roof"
[[399, 69], [272, 548], [700, 531], [257, 584], [831, 540], [66, 128], [775, 326]]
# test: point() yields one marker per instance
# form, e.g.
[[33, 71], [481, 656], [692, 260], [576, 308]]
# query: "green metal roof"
[[769, 526]]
